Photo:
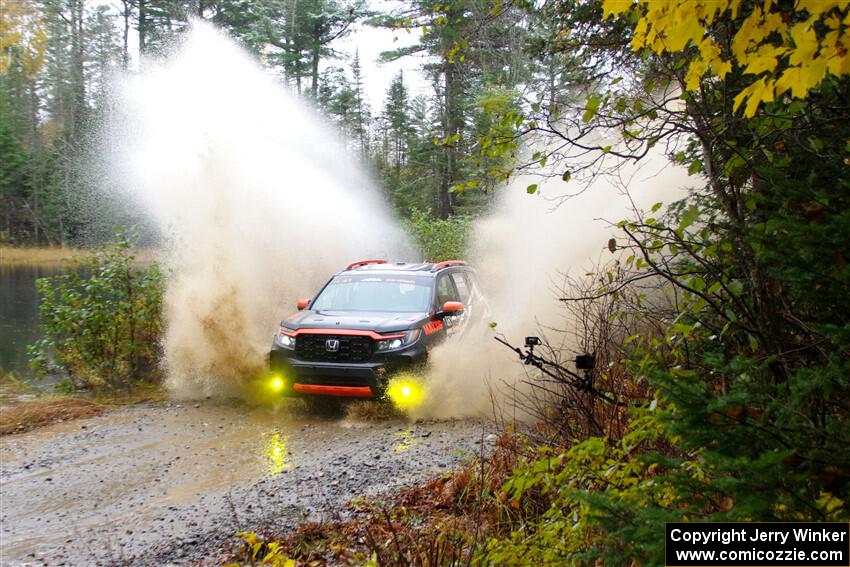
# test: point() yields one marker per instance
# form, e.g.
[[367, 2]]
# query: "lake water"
[[19, 314]]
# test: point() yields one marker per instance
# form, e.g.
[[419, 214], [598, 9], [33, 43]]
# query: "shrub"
[[101, 321], [439, 239]]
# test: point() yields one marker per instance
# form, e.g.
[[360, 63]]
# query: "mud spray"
[[258, 203], [524, 252]]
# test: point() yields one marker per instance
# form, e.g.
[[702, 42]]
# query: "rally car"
[[369, 322]]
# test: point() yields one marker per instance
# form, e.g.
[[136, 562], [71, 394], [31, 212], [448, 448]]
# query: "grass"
[[36, 255], [10, 382], [23, 414], [29, 415], [56, 256]]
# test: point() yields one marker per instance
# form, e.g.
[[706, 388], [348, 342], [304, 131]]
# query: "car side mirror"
[[451, 308], [303, 304]]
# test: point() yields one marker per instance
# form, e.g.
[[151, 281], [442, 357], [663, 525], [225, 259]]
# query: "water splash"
[[255, 199], [523, 251]]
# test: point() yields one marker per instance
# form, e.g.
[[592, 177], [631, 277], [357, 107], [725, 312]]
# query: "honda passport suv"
[[369, 321]]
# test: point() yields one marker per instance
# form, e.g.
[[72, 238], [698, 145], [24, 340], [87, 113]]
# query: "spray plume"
[[524, 251], [255, 199]]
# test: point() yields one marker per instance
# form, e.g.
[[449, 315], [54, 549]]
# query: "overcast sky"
[[371, 42]]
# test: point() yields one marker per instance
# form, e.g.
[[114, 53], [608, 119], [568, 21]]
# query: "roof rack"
[[447, 263], [363, 263]]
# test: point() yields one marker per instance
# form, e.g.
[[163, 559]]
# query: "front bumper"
[[346, 379]]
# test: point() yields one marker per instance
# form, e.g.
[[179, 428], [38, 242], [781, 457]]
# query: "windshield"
[[375, 293]]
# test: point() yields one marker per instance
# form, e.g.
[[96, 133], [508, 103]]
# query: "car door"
[[464, 294], [476, 309], [447, 291]]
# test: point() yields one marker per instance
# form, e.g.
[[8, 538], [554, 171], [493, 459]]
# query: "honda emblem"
[[332, 345]]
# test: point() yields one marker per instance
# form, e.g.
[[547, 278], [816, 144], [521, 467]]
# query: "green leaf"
[[698, 283], [695, 167], [591, 107], [688, 217], [531, 189], [734, 163]]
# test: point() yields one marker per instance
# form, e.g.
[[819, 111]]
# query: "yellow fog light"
[[277, 384], [405, 392]]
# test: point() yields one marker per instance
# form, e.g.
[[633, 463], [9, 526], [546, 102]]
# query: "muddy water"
[[163, 482]]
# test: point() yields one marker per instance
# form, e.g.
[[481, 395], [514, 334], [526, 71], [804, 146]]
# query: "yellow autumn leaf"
[[761, 64], [754, 94], [833, 22], [792, 80], [681, 26], [781, 57], [739, 99], [839, 64], [708, 50], [639, 33], [805, 42], [615, 7], [818, 7], [753, 103], [721, 68], [695, 72], [813, 74]]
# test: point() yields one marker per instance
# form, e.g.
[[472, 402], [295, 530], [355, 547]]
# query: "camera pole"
[[583, 362]]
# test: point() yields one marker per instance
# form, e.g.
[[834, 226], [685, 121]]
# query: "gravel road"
[[160, 483]]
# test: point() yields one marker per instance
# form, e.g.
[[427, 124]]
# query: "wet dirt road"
[[159, 483]]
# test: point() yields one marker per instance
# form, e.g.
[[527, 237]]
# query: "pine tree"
[[361, 118]]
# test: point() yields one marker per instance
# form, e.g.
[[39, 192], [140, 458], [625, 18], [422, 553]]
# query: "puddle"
[[406, 440], [132, 466], [277, 455]]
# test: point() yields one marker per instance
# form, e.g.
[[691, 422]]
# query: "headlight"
[[392, 344], [284, 340]]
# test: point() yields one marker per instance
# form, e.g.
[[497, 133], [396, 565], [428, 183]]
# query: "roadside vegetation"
[[101, 322], [439, 239]]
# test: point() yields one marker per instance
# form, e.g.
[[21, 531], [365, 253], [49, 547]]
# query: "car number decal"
[[433, 327]]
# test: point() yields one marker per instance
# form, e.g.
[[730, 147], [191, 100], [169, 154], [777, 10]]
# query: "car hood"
[[380, 322]]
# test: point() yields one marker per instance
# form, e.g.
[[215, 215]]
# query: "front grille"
[[352, 348]]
